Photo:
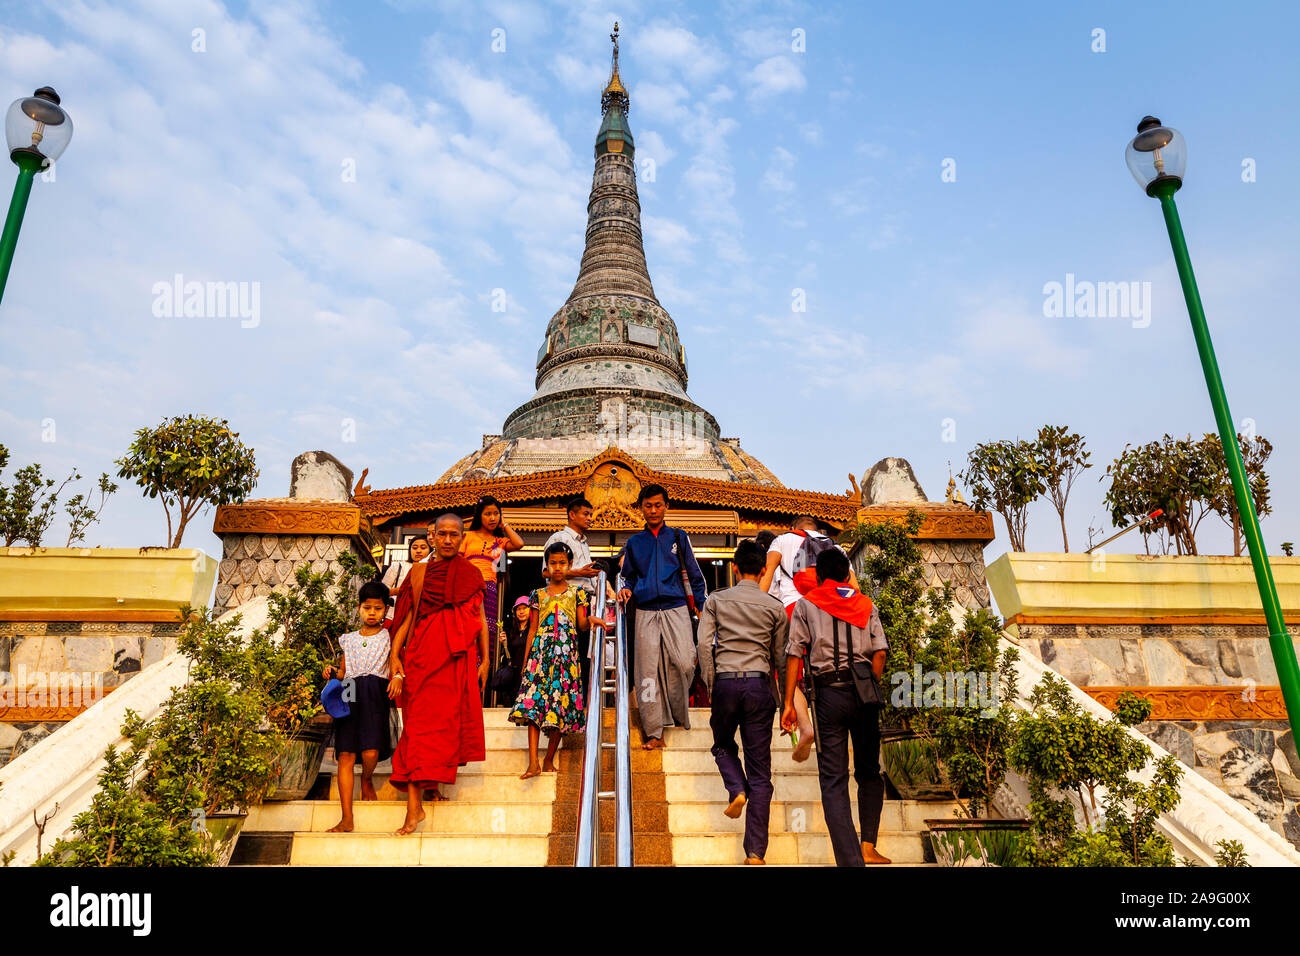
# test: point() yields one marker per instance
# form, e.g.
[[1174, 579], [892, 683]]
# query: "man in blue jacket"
[[664, 643]]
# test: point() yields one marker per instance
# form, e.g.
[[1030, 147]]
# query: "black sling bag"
[[865, 683]]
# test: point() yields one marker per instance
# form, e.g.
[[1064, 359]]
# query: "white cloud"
[[667, 238], [776, 75], [679, 51]]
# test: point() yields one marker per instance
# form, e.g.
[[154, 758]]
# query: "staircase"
[[703, 836], [495, 819], [492, 818]]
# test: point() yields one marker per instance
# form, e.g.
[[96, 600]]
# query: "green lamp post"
[[37, 130], [1157, 157]]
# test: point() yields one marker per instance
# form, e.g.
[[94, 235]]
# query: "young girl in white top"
[[364, 731]]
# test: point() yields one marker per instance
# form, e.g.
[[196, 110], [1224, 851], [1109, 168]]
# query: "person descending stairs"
[[490, 818]]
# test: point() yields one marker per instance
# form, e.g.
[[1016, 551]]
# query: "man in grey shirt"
[[742, 636], [833, 627]]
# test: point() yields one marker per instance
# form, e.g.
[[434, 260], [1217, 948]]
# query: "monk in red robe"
[[439, 665]]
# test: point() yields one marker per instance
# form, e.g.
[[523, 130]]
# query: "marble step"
[[681, 760], [383, 817], [785, 849], [896, 816], [510, 737], [418, 849], [706, 786], [473, 784]]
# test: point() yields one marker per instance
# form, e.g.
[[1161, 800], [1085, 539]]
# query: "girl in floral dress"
[[550, 697]]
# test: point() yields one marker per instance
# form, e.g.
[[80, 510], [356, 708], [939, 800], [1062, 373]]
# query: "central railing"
[[608, 676]]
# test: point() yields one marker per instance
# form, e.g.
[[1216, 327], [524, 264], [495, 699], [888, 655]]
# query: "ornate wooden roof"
[[561, 483]]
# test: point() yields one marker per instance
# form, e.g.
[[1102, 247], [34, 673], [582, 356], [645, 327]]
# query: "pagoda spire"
[[611, 341], [614, 95]]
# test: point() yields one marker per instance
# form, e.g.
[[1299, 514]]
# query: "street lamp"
[[38, 130], [1157, 157]]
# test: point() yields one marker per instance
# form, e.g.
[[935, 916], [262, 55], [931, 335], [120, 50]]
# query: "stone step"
[[510, 737], [383, 817], [472, 785], [896, 816], [706, 786], [418, 849], [679, 760], [785, 849]]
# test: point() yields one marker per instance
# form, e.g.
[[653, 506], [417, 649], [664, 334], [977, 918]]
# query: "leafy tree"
[[1005, 476], [212, 733], [1222, 501], [28, 506], [124, 826], [1173, 474], [313, 613], [190, 463], [1062, 458], [970, 739], [81, 514], [892, 575], [1230, 853], [1060, 749]]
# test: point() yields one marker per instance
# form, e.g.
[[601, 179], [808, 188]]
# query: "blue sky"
[[775, 170]]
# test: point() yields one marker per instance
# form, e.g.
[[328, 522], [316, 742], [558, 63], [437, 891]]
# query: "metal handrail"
[[588, 835]]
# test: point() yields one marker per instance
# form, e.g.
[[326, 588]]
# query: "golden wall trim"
[[942, 520], [1131, 619], [266, 517]]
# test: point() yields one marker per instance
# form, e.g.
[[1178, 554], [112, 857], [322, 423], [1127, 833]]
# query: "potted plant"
[[315, 611], [1062, 751]]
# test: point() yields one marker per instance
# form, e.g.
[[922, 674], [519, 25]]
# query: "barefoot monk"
[[441, 637]]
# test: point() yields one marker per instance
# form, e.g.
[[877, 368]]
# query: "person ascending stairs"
[[838, 631]]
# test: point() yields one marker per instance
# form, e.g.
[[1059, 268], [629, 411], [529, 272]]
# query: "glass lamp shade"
[[1156, 152], [39, 124]]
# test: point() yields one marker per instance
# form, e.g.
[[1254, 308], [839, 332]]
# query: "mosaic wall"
[[253, 565], [959, 563], [955, 562], [1255, 762], [1146, 655]]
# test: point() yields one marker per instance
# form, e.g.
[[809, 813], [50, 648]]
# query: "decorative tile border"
[[1201, 703], [31, 714]]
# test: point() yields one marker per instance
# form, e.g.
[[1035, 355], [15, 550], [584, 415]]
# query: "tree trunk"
[[1016, 543], [1065, 538]]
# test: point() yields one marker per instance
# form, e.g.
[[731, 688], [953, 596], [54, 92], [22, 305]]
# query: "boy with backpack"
[[791, 571]]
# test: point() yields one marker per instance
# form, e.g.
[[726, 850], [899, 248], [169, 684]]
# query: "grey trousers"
[[663, 667]]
